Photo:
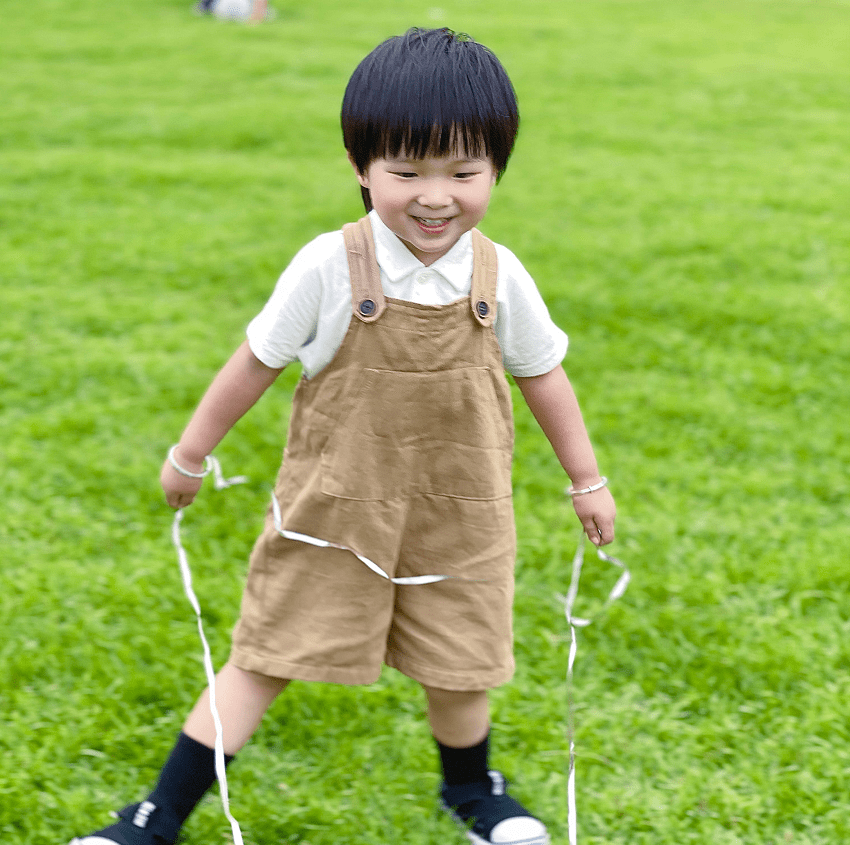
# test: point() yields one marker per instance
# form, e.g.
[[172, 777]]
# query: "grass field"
[[680, 192]]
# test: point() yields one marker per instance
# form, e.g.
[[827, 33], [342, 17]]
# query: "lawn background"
[[679, 191]]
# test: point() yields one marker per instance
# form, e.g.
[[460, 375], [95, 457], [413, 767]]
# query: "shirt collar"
[[397, 261]]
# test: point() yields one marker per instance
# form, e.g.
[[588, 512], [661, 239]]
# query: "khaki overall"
[[400, 451]]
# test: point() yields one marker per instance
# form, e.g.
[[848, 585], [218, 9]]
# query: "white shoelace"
[[576, 622]]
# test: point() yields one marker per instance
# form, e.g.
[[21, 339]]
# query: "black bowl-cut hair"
[[429, 92]]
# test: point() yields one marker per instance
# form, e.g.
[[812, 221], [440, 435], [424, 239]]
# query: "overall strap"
[[484, 276], [367, 295]]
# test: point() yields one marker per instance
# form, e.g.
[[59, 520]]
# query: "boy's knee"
[[440, 694], [249, 678]]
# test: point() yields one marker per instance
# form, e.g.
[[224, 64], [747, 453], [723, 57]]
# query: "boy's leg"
[[473, 794], [242, 699], [458, 719]]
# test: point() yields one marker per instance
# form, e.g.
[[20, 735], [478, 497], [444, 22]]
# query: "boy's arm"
[[241, 382], [553, 402]]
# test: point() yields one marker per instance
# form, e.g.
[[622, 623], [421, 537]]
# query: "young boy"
[[398, 457]]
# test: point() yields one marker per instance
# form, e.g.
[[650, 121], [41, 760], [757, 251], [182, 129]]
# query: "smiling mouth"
[[432, 222]]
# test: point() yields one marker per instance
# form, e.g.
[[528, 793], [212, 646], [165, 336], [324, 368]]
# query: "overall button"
[[482, 308], [367, 307]]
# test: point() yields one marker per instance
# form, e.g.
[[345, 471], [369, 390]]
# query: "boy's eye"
[[405, 174]]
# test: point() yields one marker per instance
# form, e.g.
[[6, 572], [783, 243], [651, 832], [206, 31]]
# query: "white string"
[[413, 580], [220, 483], [575, 622]]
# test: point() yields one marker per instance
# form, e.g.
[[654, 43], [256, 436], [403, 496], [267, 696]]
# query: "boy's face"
[[429, 202]]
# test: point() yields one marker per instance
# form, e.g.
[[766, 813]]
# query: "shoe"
[[490, 816], [140, 824]]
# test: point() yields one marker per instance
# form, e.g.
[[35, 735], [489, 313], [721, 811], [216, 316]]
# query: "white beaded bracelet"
[[584, 490], [173, 461]]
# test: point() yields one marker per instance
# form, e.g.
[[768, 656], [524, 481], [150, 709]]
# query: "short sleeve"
[[289, 320], [530, 341]]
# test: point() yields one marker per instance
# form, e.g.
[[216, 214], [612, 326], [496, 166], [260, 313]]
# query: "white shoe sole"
[[92, 840], [540, 837]]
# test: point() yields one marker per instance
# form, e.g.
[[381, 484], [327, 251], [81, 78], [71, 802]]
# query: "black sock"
[[465, 765], [185, 778]]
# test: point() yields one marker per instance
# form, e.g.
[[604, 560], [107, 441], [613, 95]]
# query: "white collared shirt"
[[309, 312]]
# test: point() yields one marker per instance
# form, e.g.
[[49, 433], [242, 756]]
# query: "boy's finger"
[[178, 500], [600, 533], [591, 530]]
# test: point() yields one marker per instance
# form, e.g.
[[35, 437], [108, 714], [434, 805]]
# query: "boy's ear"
[[362, 178]]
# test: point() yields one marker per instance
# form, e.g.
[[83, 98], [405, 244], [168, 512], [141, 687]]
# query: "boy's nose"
[[435, 195]]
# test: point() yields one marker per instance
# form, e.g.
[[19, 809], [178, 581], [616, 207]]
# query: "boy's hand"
[[596, 512], [180, 490]]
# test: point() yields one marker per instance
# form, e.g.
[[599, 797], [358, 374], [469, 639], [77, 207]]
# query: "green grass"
[[679, 191]]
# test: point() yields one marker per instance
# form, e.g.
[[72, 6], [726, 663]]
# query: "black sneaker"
[[141, 824], [490, 816]]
